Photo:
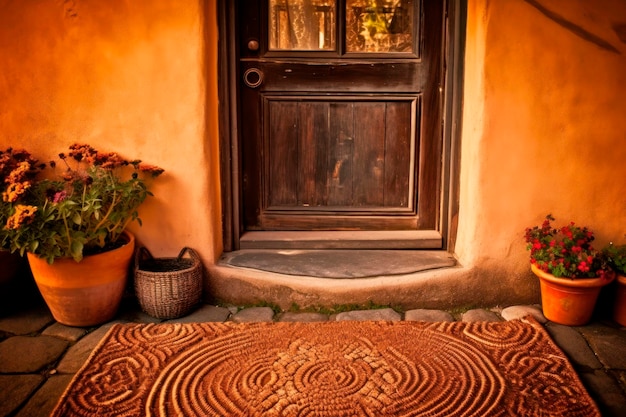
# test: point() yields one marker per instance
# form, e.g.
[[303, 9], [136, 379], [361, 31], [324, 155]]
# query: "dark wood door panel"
[[340, 154]]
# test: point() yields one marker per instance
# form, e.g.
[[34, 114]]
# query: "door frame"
[[229, 137]]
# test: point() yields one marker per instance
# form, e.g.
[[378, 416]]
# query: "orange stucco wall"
[[544, 114], [544, 126], [132, 77]]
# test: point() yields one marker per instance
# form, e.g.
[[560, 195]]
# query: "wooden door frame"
[[456, 12]]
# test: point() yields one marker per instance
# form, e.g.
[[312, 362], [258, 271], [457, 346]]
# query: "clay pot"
[[619, 308], [88, 292], [569, 301]]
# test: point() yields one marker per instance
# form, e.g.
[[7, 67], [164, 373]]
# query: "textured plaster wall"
[[544, 126], [126, 76]]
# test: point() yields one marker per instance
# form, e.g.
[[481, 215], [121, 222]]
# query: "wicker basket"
[[168, 288]]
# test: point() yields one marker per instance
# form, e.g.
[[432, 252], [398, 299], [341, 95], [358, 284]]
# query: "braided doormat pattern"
[[327, 369]]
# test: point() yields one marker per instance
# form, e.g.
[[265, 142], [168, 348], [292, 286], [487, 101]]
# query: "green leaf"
[[77, 219], [77, 250]]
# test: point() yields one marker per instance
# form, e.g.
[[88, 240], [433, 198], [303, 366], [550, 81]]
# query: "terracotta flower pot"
[[569, 301], [84, 293], [619, 309]]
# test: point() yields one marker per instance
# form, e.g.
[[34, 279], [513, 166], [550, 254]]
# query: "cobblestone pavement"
[[38, 356]]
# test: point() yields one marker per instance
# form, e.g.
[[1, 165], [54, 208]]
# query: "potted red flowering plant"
[[73, 228], [615, 256], [571, 272]]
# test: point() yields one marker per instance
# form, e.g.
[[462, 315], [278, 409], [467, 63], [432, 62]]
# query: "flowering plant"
[[18, 170], [615, 257], [565, 251], [84, 212]]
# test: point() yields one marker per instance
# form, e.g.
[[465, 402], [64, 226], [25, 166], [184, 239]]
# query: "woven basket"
[[168, 288]]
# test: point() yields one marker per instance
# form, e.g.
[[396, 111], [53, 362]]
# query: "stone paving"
[[38, 356]]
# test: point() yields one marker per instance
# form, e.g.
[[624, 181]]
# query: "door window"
[[302, 25], [379, 26], [371, 26]]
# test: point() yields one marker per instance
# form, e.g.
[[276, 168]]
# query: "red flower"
[[565, 251], [583, 267]]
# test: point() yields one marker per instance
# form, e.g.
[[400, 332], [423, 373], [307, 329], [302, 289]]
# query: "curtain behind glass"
[[302, 25]]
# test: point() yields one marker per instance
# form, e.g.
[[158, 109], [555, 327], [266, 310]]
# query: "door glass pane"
[[379, 25], [302, 25]]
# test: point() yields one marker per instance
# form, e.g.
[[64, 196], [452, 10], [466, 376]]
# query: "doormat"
[[343, 263], [327, 369]]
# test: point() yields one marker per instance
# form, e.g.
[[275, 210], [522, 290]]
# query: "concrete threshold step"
[[340, 264]]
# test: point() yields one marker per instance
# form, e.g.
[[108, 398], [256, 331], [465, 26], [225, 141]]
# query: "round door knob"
[[253, 77], [253, 45]]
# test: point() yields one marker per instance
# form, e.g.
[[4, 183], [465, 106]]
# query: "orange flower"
[[109, 160], [14, 191], [19, 172], [23, 215], [81, 152], [154, 170]]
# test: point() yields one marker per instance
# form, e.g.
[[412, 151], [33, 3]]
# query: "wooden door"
[[340, 114]]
